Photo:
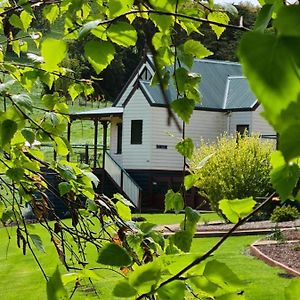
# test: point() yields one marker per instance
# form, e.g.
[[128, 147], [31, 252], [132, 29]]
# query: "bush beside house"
[[238, 167]]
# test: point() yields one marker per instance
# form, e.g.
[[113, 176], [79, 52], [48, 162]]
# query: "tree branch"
[[213, 249]]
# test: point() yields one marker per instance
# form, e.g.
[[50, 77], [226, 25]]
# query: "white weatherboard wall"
[[113, 141], [164, 135], [260, 125], [239, 118], [137, 156], [202, 125], [206, 125]]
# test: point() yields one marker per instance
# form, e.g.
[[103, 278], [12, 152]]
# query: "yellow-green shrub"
[[239, 167]]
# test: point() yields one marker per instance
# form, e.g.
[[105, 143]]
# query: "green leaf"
[[15, 21], [60, 146], [51, 12], [124, 290], [7, 130], [292, 291], [16, 47], [7, 85], [75, 90], [231, 297], [100, 32], [50, 100], [189, 181], [284, 176], [99, 54], [15, 174], [236, 209], [87, 27], [173, 290], [120, 197], [173, 201], [173, 263], [53, 58], [289, 143], [113, 255], [146, 227], [164, 5], [163, 23], [182, 240], [37, 242], [183, 107], [230, 8], [186, 148], [161, 40], [272, 69], [28, 79], [118, 7], [219, 274], [7, 214], [192, 217], [95, 180], [28, 134], [144, 278], [66, 172], [287, 21], [181, 78], [23, 100], [64, 188], [219, 17], [263, 18], [91, 205], [26, 19], [123, 211], [204, 285], [122, 34], [196, 49], [55, 288]]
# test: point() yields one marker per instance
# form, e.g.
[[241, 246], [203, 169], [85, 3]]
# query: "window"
[[136, 132], [242, 129], [119, 138]]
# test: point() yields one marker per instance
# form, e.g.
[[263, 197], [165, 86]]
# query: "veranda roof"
[[100, 114]]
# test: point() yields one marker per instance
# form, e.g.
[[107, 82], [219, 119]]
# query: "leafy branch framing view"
[[151, 266]]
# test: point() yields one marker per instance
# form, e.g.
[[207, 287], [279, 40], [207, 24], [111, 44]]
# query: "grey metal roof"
[[239, 94], [222, 86], [98, 113]]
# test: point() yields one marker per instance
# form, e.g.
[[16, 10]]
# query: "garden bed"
[[282, 249]]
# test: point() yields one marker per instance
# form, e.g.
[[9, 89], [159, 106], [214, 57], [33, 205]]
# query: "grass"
[[262, 281], [166, 219], [20, 274]]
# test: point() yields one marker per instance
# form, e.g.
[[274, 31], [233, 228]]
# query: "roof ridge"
[[215, 61], [236, 77], [226, 93]]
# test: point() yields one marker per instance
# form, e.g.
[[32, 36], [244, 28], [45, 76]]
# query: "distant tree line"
[[113, 78]]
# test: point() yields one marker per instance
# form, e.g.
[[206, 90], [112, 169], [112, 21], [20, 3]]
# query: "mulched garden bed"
[[286, 250]]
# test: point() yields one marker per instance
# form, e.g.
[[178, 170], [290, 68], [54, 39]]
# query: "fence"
[[81, 153], [273, 138]]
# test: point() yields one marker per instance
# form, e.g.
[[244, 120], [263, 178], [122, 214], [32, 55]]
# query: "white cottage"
[[142, 161]]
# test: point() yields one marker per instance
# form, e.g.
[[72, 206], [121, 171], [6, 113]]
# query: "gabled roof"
[[222, 87]]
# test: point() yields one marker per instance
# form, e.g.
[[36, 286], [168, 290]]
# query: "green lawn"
[[165, 219], [21, 276]]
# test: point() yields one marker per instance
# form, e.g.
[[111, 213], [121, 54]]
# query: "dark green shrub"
[[284, 213], [238, 168]]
